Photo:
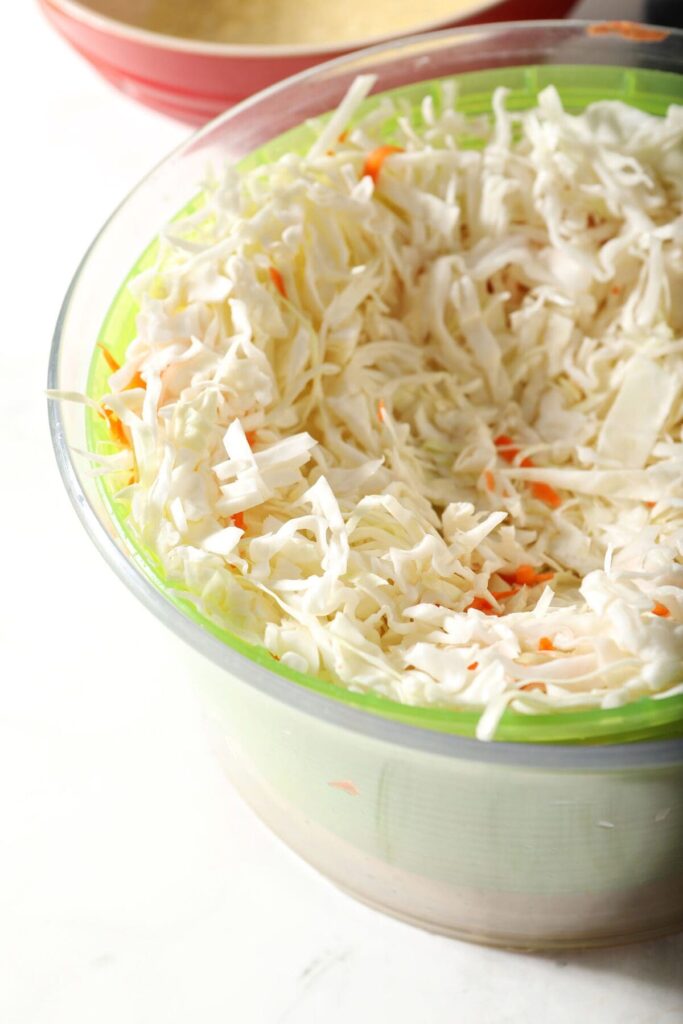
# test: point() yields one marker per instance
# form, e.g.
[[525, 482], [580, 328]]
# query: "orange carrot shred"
[[375, 159], [251, 437], [509, 453], [661, 610], [490, 480], [118, 432], [627, 30], [345, 785], [542, 492], [471, 668], [111, 362], [525, 576], [381, 411], [343, 136], [546, 644], [238, 520], [276, 278], [508, 577], [481, 604], [116, 428], [546, 493], [649, 504], [135, 382], [528, 687]]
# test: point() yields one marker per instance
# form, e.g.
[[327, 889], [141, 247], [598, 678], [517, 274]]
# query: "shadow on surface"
[[657, 963]]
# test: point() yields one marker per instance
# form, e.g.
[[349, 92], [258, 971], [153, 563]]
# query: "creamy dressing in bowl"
[[280, 22]]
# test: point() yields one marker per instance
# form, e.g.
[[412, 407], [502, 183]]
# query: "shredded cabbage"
[[418, 431]]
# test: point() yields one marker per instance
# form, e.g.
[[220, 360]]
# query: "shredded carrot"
[[343, 136], [471, 668], [116, 428], [345, 785], [375, 159], [480, 604], [238, 520], [543, 577], [509, 577], [381, 411], [649, 504], [615, 289], [640, 33], [600, 28], [546, 644], [135, 382], [509, 452], [661, 610], [111, 362], [543, 492], [546, 493], [490, 480], [501, 595], [526, 576], [628, 30], [251, 437], [276, 278], [528, 687]]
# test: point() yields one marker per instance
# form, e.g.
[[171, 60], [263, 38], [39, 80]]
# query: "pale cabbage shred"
[[532, 288]]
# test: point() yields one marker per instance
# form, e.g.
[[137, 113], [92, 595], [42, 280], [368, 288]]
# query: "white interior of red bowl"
[[118, 17]]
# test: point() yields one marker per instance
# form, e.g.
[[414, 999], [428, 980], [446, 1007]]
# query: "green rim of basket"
[[578, 85]]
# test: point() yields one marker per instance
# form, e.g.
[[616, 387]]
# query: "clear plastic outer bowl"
[[523, 845]]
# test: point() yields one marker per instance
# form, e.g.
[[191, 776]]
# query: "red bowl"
[[194, 80]]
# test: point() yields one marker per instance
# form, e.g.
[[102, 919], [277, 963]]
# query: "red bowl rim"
[[103, 23]]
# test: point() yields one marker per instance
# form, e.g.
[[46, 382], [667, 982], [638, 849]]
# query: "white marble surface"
[[134, 885]]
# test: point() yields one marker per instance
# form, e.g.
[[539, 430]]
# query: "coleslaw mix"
[[407, 411]]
